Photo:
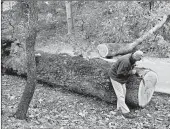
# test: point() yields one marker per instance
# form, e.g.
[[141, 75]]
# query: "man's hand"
[[139, 75], [133, 71]]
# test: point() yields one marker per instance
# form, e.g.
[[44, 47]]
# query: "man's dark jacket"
[[120, 70]]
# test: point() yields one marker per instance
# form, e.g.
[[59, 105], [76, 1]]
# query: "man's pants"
[[120, 90]]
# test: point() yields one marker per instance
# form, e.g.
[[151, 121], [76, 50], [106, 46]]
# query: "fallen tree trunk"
[[89, 77], [113, 49]]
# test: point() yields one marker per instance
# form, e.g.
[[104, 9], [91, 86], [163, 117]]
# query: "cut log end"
[[103, 50], [140, 90], [147, 88]]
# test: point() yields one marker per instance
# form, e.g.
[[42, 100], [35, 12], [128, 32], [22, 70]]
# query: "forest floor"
[[56, 108]]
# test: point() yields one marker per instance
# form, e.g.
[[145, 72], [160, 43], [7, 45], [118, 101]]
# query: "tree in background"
[[2, 6], [96, 22], [69, 17], [30, 9]]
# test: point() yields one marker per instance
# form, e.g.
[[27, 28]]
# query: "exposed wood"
[[146, 87], [111, 49]]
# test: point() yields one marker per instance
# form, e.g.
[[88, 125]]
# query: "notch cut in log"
[[89, 77], [114, 49]]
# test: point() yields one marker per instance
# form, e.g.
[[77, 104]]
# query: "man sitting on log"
[[119, 74]]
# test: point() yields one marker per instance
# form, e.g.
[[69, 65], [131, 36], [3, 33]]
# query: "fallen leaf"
[[106, 119], [160, 119], [40, 100], [112, 125], [168, 117], [83, 114], [149, 115], [35, 106], [113, 112], [12, 97], [146, 126]]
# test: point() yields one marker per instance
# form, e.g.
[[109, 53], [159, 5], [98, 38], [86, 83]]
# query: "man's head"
[[137, 55]]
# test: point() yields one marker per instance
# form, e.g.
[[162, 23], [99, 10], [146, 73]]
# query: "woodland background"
[[94, 22]]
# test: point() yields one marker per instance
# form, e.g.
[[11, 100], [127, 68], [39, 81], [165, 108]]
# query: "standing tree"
[[2, 6], [69, 17], [31, 7]]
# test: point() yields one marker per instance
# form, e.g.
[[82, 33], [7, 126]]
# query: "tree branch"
[[111, 49], [150, 32]]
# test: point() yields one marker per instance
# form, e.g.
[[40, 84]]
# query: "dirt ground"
[[60, 109]]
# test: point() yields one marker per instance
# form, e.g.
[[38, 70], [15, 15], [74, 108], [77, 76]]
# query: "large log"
[[114, 49], [89, 77]]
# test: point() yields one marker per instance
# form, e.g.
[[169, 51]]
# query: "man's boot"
[[129, 115]]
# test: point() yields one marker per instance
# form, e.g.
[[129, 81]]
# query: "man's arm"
[[123, 69]]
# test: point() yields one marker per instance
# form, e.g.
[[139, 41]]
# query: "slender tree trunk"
[[69, 17], [31, 65], [2, 7]]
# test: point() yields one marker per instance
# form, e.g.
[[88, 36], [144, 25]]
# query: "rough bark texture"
[[133, 85], [31, 65], [121, 49], [88, 77]]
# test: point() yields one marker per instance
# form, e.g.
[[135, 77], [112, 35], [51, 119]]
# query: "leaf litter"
[[60, 109]]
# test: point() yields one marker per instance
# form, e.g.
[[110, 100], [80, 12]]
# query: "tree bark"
[[31, 65], [69, 17], [111, 49]]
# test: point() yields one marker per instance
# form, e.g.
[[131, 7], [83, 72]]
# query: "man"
[[119, 74]]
